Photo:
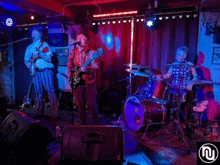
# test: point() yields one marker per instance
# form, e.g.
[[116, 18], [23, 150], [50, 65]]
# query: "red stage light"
[[32, 17], [115, 14]]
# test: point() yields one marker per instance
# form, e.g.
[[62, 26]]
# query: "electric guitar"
[[77, 79], [33, 67]]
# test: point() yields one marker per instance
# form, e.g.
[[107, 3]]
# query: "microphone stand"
[[72, 95], [72, 71], [129, 92]]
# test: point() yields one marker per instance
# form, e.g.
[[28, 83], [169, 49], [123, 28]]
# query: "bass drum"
[[139, 111]]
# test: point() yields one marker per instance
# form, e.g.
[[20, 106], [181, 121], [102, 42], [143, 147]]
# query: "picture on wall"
[[216, 55]]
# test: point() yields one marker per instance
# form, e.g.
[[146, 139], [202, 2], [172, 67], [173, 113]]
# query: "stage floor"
[[158, 147]]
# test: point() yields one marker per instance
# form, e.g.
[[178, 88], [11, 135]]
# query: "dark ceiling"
[[67, 10]]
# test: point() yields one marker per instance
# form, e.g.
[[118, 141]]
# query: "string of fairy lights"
[[122, 17], [140, 19]]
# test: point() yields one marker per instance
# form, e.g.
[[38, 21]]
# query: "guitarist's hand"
[[70, 81], [86, 69], [83, 69], [74, 74], [86, 77]]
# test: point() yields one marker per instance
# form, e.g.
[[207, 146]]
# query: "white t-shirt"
[[45, 48]]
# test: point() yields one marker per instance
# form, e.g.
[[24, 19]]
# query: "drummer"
[[181, 71]]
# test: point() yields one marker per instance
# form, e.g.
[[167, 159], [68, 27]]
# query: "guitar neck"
[[95, 55], [38, 48], [85, 64]]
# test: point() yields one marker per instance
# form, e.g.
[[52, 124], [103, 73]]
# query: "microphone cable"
[[15, 41]]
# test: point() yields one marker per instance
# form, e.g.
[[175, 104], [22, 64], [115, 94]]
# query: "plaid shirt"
[[78, 57]]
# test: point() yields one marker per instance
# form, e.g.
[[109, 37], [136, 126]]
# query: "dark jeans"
[[87, 94]]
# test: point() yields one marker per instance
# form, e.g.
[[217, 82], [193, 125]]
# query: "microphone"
[[27, 38], [76, 43]]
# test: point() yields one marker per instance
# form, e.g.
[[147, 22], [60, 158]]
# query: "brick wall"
[[7, 75]]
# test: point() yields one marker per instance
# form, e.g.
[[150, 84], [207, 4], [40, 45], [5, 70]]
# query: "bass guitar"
[[77, 78]]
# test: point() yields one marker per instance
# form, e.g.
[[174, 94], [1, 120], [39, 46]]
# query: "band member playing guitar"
[[38, 59], [82, 68]]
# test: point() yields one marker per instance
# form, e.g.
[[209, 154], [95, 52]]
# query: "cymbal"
[[198, 82], [135, 66], [138, 73], [181, 65]]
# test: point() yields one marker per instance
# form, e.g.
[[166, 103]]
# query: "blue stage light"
[[109, 41], [9, 22], [151, 22]]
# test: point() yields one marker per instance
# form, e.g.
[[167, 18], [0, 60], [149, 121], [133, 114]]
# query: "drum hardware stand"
[[129, 85], [120, 116], [149, 123], [129, 92], [27, 102], [195, 119], [144, 137], [180, 128], [176, 121], [179, 125]]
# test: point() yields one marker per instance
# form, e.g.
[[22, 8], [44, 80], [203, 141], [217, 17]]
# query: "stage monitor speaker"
[[58, 39], [93, 144], [23, 132]]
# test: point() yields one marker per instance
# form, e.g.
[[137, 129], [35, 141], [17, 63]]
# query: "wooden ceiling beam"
[[42, 7], [182, 4], [54, 6], [95, 2]]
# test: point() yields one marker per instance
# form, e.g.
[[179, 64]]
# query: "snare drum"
[[159, 91], [138, 111]]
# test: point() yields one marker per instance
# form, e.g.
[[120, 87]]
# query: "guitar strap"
[[44, 50], [83, 57], [38, 48]]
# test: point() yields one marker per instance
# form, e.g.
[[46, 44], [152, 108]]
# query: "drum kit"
[[147, 106]]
